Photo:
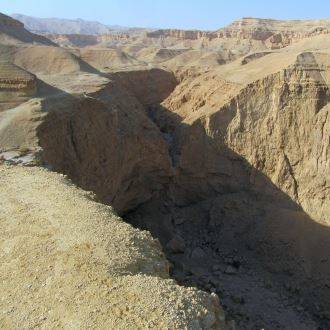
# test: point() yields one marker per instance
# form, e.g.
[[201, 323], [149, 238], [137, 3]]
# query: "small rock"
[[229, 260], [230, 270], [231, 325], [208, 286], [218, 273], [198, 253], [326, 314], [238, 300], [180, 276], [300, 308], [216, 267], [179, 221], [176, 244], [198, 271]]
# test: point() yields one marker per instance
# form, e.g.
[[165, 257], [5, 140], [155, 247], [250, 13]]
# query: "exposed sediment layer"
[[16, 85]]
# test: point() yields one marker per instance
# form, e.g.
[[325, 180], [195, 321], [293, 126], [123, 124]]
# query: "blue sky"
[[186, 14]]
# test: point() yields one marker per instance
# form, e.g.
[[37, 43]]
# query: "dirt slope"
[[69, 262]]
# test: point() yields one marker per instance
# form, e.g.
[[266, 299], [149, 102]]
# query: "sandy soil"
[[69, 262]]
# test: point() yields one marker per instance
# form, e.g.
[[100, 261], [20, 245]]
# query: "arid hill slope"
[[70, 262]]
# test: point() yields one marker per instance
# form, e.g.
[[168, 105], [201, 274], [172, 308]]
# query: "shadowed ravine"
[[248, 242], [229, 230]]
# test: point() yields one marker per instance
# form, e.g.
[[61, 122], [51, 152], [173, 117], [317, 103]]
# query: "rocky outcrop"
[[89, 140], [150, 87], [275, 33], [13, 78], [80, 137], [251, 57], [181, 34]]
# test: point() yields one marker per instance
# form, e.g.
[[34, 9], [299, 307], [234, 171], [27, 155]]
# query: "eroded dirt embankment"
[[107, 144], [70, 262], [221, 219]]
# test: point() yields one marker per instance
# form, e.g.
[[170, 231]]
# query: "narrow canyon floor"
[[216, 258]]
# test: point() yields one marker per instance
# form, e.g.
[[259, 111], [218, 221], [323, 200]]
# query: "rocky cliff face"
[[293, 122], [273, 113], [115, 143], [181, 34], [262, 134], [107, 135], [275, 34]]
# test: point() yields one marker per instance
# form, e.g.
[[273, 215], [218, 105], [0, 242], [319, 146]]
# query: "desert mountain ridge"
[[69, 26], [251, 33], [81, 26]]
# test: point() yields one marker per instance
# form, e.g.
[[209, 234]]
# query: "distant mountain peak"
[[66, 26]]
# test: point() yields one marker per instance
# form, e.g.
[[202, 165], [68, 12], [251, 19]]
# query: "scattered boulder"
[[216, 268], [176, 244], [231, 270], [179, 220], [198, 253]]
